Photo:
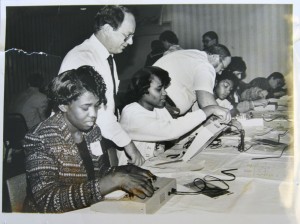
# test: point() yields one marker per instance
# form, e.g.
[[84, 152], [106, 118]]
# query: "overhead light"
[[82, 9]]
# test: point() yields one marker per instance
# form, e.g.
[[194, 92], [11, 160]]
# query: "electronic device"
[[272, 106], [135, 205], [207, 132]]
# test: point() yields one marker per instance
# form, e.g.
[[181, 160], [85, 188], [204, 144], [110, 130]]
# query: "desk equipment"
[[272, 106], [210, 130], [135, 205]]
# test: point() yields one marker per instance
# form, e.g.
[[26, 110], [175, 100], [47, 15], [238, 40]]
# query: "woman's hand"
[[134, 154], [261, 102], [133, 180], [220, 112]]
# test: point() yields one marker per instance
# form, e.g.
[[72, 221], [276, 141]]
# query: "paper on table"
[[173, 166]]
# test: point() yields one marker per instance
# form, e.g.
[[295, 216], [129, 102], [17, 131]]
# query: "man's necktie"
[[111, 65]]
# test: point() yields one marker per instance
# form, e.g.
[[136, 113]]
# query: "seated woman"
[[225, 85], [147, 121], [272, 85], [65, 167]]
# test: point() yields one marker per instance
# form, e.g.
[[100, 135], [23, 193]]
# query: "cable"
[[274, 118], [281, 135], [271, 157], [241, 146], [202, 184], [265, 133]]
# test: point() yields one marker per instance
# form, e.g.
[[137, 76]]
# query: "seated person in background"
[[170, 41], [209, 38], [225, 85], [148, 122], [31, 103], [273, 85], [157, 51], [238, 68], [193, 75], [65, 167]]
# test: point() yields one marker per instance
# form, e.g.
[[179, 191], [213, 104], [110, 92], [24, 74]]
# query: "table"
[[263, 188]]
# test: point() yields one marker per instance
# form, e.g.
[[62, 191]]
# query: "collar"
[[98, 45]]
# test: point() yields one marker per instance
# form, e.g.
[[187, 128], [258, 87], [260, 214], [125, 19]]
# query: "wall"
[[261, 34]]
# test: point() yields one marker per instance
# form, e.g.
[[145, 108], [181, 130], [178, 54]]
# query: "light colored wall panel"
[[261, 34]]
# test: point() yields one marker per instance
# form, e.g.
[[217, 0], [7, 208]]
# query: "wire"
[[202, 184], [265, 133], [241, 146], [281, 135], [272, 157], [274, 118]]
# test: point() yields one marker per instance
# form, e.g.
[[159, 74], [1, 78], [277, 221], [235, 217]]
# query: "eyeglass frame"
[[127, 37]]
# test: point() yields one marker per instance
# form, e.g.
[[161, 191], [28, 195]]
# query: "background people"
[[113, 31], [170, 41], [209, 38], [273, 84], [31, 103], [157, 51], [193, 75], [67, 164], [148, 122]]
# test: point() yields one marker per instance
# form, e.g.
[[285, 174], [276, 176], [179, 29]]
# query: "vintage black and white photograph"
[[149, 111]]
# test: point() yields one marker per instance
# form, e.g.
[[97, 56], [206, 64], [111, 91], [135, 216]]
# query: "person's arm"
[[205, 98], [134, 154], [51, 196], [142, 127]]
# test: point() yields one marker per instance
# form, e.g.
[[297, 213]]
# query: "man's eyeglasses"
[[127, 37], [222, 62]]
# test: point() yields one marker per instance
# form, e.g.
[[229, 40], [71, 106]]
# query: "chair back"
[[15, 128], [17, 191]]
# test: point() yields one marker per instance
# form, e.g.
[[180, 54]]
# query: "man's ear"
[[62, 107], [107, 28]]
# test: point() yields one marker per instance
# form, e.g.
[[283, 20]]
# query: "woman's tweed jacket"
[[56, 177]]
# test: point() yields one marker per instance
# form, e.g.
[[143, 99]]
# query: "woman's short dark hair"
[[227, 75], [69, 85], [112, 15], [141, 81], [237, 64]]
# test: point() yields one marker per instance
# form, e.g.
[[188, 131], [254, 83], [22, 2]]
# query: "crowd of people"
[[68, 155]]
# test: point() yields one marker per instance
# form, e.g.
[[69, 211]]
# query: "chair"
[[15, 128], [16, 187]]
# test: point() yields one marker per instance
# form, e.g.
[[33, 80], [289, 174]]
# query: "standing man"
[[193, 75], [113, 31]]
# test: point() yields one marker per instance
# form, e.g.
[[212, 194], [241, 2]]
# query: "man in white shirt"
[[146, 119], [193, 74], [113, 31]]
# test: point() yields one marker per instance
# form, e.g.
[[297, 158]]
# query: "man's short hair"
[[218, 49], [212, 35], [169, 36], [237, 64], [112, 15], [277, 75]]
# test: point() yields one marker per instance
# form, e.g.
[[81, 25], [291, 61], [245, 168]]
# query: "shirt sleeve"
[[111, 128], [146, 128], [204, 78], [43, 175]]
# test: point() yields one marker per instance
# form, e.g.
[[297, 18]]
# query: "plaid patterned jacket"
[[56, 177]]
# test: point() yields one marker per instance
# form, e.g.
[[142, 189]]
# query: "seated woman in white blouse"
[[146, 119]]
